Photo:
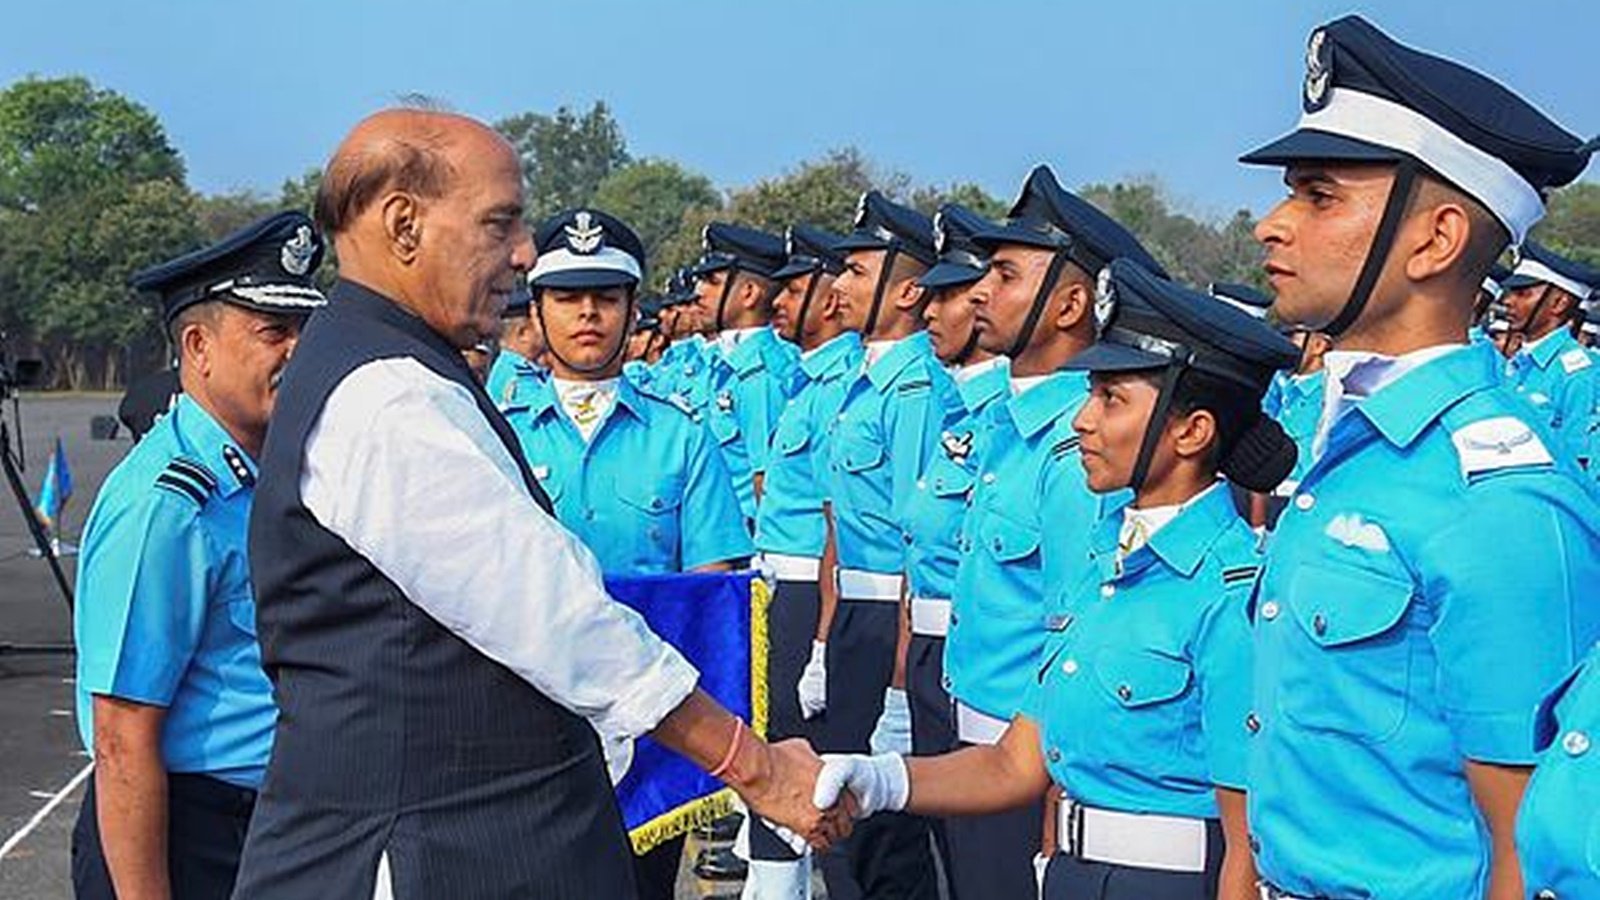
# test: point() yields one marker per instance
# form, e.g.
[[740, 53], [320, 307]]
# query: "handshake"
[[815, 800]]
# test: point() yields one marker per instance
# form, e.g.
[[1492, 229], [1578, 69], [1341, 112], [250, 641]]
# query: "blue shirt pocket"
[[1348, 666], [857, 455]]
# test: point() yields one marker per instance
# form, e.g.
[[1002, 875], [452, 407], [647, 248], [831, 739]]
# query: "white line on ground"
[[61, 713], [45, 811]]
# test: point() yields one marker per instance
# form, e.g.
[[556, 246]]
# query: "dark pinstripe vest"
[[394, 733]]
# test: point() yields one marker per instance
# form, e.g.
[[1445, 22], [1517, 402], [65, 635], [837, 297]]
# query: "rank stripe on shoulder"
[[1239, 574], [182, 485], [193, 470], [1062, 448]]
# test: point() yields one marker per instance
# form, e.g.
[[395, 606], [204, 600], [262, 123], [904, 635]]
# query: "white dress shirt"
[[402, 465]]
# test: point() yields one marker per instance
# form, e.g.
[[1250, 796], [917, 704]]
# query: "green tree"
[[822, 192], [90, 191], [565, 156], [652, 196], [929, 198], [219, 215], [1572, 227]]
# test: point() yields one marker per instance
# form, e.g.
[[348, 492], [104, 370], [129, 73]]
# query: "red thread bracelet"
[[733, 748]]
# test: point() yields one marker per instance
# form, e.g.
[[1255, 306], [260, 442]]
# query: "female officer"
[[1140, 711], [635, 477]]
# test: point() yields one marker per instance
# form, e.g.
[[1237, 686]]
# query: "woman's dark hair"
[[1252, 449]]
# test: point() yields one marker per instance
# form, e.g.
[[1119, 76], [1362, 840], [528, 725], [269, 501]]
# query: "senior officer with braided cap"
[[439, 644], [172, 702], [1399, 660]]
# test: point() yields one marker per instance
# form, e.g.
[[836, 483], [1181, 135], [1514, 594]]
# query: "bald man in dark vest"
[[439, 645]]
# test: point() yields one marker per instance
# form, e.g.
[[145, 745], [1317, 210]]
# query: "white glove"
[[878, 783], [813, 687], [893, 732]]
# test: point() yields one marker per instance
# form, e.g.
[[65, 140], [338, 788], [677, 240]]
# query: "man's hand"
[[778, 782], [870, 784], [813, 687]]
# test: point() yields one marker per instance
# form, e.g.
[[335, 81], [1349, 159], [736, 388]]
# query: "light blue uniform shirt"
[[789, 520], [1558, 827], [1142, 698], [647, 492], [745, 398], [681, 370], [1296, 402], [880, 437], [1032, 479], [1395, 639], [933, 512], [512, 377], [165, 611], [1559, 377]]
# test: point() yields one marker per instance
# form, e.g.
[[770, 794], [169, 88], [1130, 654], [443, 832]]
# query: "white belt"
[[1268, 892], [975, 727], [1168, 843], [859, 584], [782, 567], [930, 617]]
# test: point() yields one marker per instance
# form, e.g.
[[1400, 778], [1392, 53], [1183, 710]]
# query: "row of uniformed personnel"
[[984, 465]]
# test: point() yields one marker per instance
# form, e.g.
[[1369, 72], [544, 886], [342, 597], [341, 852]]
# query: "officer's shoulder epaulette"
[[914, 385], [679, 402], [187, 478], [1576, 360], [1497, 443], [1064, 447]]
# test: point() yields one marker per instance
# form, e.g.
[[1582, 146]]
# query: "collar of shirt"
[[1545, 350], [1433, 379], [1021, 384], [1045, 400], [983, 382], [1305, 385], [831, 357], [1178, 535], [586, 403], [894, 356], [212, 446], [747, 352]]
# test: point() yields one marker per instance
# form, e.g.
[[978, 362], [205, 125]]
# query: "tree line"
[[92, 190]]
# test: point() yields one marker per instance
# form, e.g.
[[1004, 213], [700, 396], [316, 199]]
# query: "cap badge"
[[1105, 300], [585, 235], [788, 243], [298, 251], [940, 239], [861, 212], [1319, 70]]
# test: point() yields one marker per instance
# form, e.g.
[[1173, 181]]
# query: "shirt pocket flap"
[[1339, 606], [948, 480], [859, 455], [1135, 678], [657, 497], [1007, 539], [724, 427], [791, 439]]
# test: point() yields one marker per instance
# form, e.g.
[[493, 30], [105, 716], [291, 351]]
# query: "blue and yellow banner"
[[719, 622]]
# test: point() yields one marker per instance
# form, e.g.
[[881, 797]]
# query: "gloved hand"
[[877, 783], [813, 687], [893, 732]]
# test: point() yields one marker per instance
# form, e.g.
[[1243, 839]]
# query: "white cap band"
[[608, 259], [1487, 178], [1532, 268]]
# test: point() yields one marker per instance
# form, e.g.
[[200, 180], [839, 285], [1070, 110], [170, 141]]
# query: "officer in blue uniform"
[[1035, 306], [516, 370], [1559, 822], [1135, 710], [1390, 737], [172, 701], [790, 529], [881, 436], [632, 475], [635, 477], [1490, 292], [971, 380], [683, 361], [646, 340], [1295, 400], [1545, 295]]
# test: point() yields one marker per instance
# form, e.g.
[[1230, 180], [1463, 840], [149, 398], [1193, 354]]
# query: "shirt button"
[[1269, 610], [998, 544], [1251, 723], [1055, 755], [954, 620], [1545, 894], [922, 484], [588, 515], [1108, 591], [1304, 502], [1070, 667], [1319, 624], [988, 478], [1124, 692], [946, 679], [1576, 743]]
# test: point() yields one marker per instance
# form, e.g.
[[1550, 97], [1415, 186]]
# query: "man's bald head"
[[408, 150]]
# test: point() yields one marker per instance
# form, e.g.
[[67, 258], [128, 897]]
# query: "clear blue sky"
[[978, 91]]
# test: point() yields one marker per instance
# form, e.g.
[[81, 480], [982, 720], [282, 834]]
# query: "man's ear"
[[1075, 301], [907, 293], [402, 225], [196, 346], [1438, 237]]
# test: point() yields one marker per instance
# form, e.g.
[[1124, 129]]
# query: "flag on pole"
[[56, 489], [718, 621]]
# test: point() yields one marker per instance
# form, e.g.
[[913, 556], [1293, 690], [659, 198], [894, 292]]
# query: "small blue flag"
[[57, 487], [718, 621]]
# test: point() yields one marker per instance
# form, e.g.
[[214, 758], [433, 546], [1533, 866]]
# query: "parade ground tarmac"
[[42, 764]]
